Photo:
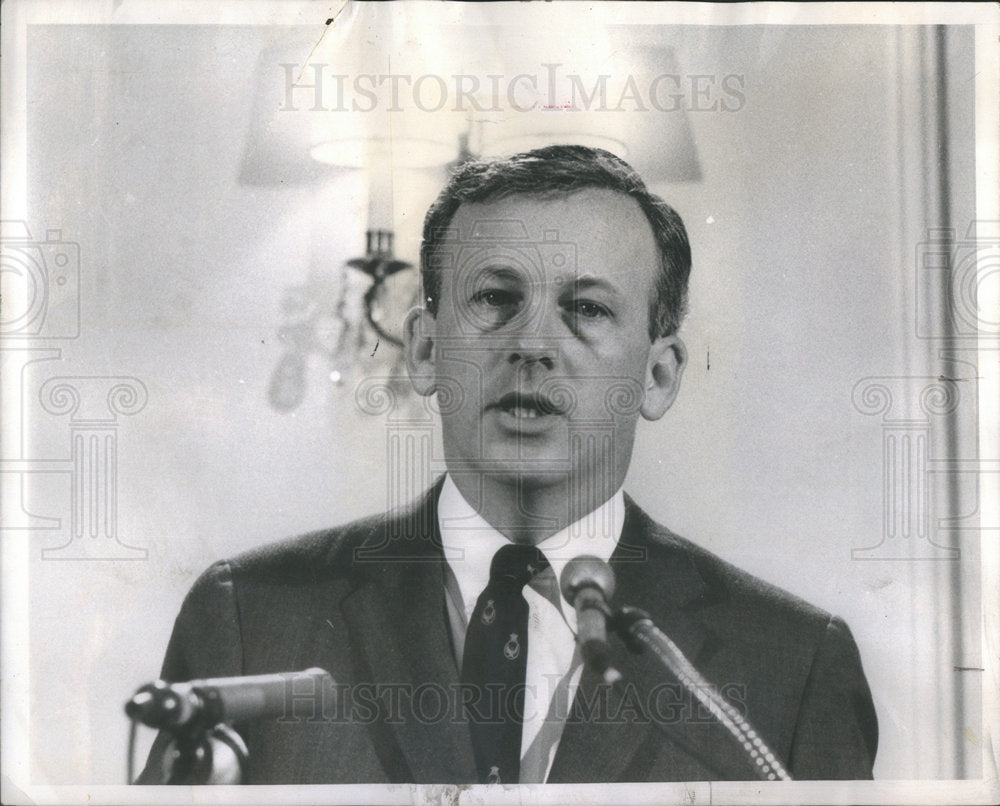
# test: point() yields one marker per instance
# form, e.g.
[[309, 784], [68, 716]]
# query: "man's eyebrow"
[[587, 282], [500, 272]]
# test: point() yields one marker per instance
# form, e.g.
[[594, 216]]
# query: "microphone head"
[[160, 705], [586, 571], [141, 706]]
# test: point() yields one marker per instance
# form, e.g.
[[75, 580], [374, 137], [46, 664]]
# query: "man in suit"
[[554, 285]]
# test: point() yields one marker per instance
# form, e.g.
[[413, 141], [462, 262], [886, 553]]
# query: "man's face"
[[540, 349]]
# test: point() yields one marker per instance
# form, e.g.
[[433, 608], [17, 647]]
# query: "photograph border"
[[15, 681]]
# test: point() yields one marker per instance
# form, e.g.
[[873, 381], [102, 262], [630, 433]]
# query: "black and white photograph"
[[521, 402]]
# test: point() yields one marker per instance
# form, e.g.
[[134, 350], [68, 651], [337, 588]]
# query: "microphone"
[[204, 703], [587, 584]]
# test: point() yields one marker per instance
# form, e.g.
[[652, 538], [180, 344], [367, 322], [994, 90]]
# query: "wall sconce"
[[337, 316]]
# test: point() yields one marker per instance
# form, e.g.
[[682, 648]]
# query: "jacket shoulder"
[[797, 666], [308, 557], [724, 582], [356, 549], [207, 639]]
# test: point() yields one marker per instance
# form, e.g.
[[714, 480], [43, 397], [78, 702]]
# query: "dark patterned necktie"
[[494, 663]]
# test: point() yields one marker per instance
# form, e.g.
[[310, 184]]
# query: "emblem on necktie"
[[489, 613], [512, 648], [531, 569], [494, 776]]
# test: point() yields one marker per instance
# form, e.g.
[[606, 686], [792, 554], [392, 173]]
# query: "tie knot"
[[515, 564]]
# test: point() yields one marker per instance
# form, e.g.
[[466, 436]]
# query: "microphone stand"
[[200, 752], [214, 756], [637, 630]]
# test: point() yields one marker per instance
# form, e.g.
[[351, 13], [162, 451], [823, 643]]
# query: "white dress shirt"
[[554, 665]]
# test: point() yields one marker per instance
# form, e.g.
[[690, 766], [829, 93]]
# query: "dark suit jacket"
[[366, 602]]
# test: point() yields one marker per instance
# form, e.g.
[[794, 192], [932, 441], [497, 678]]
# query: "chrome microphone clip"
[[587, 583]]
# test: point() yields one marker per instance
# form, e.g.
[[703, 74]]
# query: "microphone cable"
[[130, 763]]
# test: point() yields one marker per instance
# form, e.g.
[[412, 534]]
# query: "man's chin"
[[546, 473], [530, 469]]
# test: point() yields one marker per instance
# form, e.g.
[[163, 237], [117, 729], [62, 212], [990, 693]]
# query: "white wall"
[[801, 276]]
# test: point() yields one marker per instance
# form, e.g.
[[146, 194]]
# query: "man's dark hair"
[[560, 170]]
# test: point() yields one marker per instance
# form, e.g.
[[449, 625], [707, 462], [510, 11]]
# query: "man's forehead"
[[547, 217], [592, 233]]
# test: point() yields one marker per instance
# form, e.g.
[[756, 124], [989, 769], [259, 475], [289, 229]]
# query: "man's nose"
[[534, 342], [525, 355]]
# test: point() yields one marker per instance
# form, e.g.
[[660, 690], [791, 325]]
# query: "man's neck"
[[524, 511]]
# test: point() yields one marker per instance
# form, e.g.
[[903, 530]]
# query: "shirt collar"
[[469, 541]]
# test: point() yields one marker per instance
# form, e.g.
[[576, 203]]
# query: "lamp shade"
[[394, 85], [605, 91], [385, 83]]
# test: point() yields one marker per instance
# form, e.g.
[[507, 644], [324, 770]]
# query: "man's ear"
[[667, 358], [418, 347]]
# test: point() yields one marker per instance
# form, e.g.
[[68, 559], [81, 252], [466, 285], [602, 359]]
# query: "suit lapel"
[[610, 728], [398, 625]]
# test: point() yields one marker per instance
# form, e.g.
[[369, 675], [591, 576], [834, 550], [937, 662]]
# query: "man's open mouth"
[[525, 406]]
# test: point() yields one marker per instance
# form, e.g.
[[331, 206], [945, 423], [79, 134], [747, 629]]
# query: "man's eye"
[[590, 310], [496, 298]]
